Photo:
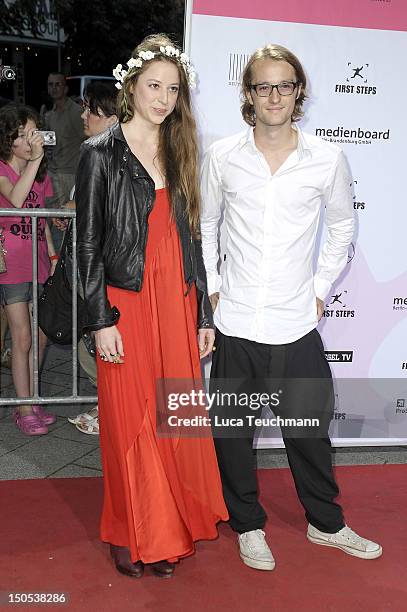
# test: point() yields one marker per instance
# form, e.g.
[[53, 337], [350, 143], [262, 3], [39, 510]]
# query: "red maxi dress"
[[160, 494]]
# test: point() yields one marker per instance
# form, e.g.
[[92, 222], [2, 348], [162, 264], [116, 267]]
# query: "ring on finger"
[[103, 357]]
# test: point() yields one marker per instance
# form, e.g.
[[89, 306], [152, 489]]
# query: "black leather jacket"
[[114, 196]]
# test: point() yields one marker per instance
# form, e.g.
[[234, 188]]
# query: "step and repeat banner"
[[354, 57]]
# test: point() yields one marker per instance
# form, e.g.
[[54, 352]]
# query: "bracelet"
[[35, 158], [53, 257]]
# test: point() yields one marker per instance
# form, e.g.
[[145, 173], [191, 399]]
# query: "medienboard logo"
[[237, 62], [400, 303], [356, 136], [356, 81], [339, 356]]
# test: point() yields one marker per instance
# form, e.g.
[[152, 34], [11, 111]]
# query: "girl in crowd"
[[141, 266], [99, 113], [23, 184]]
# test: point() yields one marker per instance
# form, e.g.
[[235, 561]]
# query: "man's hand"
[[320, 308], [109, 344], [206, 338], [60, 222], [214, 299]]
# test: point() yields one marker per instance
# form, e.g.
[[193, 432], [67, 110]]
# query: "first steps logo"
[[356, 81], [337, 306], [237, 62]]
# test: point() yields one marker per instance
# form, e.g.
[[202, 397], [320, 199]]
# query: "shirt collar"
[[303, 147]]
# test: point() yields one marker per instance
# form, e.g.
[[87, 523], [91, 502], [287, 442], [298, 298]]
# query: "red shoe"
[[30, 425], [46, 418]]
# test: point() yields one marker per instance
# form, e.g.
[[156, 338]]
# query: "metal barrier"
[[36, 399]]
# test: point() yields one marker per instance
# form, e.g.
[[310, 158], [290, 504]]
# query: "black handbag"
[[55, 302]]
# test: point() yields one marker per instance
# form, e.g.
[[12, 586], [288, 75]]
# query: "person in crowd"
[[24, 184], [99, 113], [140, 261], [273, 181], [65, 120]]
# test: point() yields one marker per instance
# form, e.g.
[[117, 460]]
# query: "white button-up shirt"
[[267, 283]]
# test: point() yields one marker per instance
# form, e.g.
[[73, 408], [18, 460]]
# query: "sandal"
[[91, 426], [84, 416], [5, 358], [30, 424], [45, 417]]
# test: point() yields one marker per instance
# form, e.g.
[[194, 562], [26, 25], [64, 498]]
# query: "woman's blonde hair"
[[279, 54], [178, 143]]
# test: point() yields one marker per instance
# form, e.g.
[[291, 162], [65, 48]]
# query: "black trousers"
[[301, 375]]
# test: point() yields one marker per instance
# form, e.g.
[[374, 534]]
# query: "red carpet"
[[49, 543]]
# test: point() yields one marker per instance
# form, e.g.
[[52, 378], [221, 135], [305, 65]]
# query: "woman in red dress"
[[144, 283]]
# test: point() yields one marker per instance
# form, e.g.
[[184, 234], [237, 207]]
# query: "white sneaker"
[[254, 550], [347, 540]]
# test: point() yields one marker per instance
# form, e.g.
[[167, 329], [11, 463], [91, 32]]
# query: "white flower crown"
[[144, 56]]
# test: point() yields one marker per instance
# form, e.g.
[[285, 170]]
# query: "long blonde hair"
[[178, 143]]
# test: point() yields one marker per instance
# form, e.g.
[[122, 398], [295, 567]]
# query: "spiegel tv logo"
[[356, 81], [339, 356], [237, 62]]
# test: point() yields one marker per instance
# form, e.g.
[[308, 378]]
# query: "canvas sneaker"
[[254, 550], [347, 540]]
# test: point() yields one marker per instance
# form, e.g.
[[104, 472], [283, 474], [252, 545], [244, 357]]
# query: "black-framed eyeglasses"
[[285, 88]]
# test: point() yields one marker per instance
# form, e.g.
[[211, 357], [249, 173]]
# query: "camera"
[[48, 136], [7, 72]]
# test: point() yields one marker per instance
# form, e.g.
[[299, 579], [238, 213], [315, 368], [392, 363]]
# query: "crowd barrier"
[[36, 398]]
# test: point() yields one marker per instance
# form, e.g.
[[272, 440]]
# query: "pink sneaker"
[[30, 425], [45, 417]]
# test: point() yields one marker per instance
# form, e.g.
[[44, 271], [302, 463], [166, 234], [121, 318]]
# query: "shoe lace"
[[254, 539], [351, 536]]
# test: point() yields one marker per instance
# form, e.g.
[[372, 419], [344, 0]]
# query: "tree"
[[19, 15], [99, 33], [102, 33]]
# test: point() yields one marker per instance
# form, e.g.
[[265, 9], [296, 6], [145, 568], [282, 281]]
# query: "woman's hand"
[[36, 143], [206, 339], [109, 344], [53, 266]]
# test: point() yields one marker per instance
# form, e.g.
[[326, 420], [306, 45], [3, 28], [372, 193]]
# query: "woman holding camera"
[[24, 184]]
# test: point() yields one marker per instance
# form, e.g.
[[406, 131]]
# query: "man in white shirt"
[[272, 182]]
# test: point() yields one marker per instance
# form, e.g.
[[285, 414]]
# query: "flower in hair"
[[134, 63], [144, 56]]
